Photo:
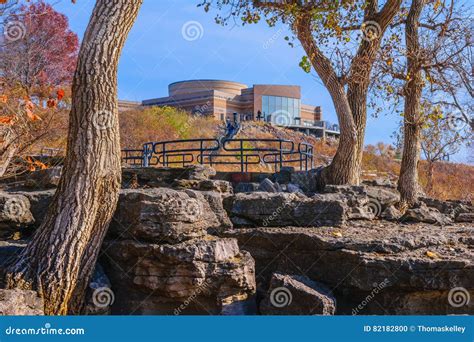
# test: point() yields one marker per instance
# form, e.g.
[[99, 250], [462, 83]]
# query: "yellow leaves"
[[437, 5], [432, 255], [337, 234]]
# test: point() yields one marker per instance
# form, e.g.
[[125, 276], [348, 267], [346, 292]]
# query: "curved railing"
[[243, 153]]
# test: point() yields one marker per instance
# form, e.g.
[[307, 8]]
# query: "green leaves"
[[305, 64]]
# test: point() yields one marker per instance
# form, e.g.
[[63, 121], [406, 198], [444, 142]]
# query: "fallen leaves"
[[337, 234], [432, 255], [3, 98]]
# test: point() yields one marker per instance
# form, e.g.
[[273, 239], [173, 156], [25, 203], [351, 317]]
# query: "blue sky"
[[157, 54]]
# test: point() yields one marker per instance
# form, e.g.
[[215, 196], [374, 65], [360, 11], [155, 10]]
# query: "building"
[[278, 104]]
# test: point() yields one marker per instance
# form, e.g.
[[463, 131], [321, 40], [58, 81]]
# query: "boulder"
[[384, 196], [268, 186], [306, 180], [448, 208], [353, 259], [297, 295], [162, 215], [164, 176], [39, 203], [291, 188], [220, 186], [44, 179], [283, 209], [20, 303], [422, 213], [246, 187], [391, 214], [465, 217], [208, 275], [99, 295], [14, 213], [359, 205]]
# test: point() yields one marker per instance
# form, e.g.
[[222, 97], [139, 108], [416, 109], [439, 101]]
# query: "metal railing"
[[276, 153]]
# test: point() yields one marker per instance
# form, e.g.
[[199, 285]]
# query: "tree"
[[59, 260], [326, 30], [440, 142], [424, 72], [38, 51]]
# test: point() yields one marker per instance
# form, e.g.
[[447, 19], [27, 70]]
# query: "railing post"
[[241, 156]]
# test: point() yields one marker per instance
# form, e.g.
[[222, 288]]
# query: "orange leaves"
[[3, 98], [34, 165], [3, 2], [29, 106], [60, 94], [52, 103], [7, 120]]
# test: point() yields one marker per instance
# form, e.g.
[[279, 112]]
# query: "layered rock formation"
[[161, 260]]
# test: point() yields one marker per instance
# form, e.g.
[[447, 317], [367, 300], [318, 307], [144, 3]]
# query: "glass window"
[[284, 104], [271, 104], [265, 110]]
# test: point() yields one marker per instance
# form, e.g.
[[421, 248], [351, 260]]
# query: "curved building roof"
[[194, 86]]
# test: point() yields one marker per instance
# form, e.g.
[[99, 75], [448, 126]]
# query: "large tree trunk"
[[343, 169], [408, 181], [350, 105], [60, 259]]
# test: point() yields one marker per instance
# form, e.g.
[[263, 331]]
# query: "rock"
[[14, 213], [425, 214], [363, 255], [9, 250], [220, 186], [39, 203], [380, 182], [162, 215], [283, 209], [465, 217], [215, 201], [449, 208], [20, 303], [297, 295], [359, 205], [291, 188], [306, 180], [246, 187], [197, 276], [44, 179], [384, 197], [268, 186], [99, 296], [284, 176], [391, 214], [164, 176]]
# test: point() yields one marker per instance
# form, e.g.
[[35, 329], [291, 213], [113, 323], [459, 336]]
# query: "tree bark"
[[60, 259], [408, 180]]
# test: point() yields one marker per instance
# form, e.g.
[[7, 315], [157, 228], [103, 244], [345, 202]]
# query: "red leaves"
[[51, 103], [60, 94]]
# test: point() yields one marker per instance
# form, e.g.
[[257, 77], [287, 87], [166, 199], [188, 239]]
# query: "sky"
[[174, 40]]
